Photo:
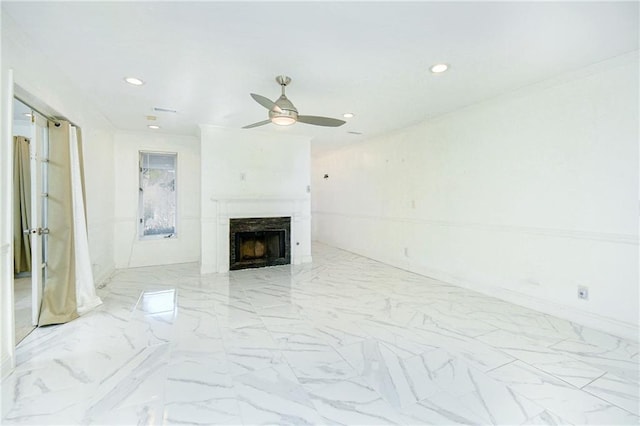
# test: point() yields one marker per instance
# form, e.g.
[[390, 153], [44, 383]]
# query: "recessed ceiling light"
[[348, 115], [438, 68], [27, 114], [134, 81], [153, 126]]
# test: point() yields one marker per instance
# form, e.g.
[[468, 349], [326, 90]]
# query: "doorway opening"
[[30, 206]]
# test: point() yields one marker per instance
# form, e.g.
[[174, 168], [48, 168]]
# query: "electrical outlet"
[[583, 292]]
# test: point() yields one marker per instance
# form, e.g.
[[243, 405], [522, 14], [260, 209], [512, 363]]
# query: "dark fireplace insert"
[[258, 242]]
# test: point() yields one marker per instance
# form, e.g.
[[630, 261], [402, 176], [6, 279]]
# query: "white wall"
[[524, 197], [253, 171], [130, 251], [99, 172]]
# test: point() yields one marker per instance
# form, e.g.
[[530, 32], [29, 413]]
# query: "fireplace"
[[258, 242]]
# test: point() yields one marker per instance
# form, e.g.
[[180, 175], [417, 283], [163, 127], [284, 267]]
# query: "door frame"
[[38, 153], [7, 304]]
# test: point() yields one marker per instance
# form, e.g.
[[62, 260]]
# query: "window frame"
[[141, 235]]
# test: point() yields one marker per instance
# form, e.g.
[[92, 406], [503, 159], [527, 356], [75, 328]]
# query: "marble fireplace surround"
[[215, 227]]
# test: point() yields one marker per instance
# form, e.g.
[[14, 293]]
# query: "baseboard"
[[578, 316], [581, 317], [6, 367], [208, 268], [7, 392], [104, 277]]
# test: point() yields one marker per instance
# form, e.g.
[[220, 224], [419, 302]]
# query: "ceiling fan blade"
[[266, 102], [320, 121], [259, 123]]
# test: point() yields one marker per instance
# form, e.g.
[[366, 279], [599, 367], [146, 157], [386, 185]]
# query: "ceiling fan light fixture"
[[283, 116], [283, 120]]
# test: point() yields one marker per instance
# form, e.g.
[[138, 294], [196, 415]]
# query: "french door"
[[39, 232]]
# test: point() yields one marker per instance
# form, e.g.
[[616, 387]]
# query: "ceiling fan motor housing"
[[288, 113]]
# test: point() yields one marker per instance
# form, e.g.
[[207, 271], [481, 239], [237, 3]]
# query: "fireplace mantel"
[[220, 209]]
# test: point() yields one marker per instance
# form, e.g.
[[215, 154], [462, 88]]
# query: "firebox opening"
[[258, 242], [259, 245]]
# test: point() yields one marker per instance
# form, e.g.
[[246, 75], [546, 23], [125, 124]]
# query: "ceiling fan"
[[283, 113]]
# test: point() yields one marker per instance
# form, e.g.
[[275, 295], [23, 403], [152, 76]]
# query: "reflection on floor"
[[22, 303], [343, 340]]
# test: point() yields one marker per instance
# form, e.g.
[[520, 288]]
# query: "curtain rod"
[[54, 120]]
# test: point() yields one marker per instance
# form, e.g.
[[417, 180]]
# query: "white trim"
[[551, 232], [7, 306], [6, 367], [140, 220], [588, 319], [206, 268], [250, 198], [104, 276], [578, 316]]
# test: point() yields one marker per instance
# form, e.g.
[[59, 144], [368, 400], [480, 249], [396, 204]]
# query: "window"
[[158, 197]]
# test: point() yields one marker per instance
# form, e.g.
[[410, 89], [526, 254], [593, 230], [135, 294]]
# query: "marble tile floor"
[[345, 340]]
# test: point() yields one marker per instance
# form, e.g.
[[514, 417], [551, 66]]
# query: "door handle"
[[38, 231]]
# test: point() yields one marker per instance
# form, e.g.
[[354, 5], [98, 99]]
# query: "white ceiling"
[[370, 58]]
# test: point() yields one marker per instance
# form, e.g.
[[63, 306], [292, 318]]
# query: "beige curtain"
[[21, 205], [59, 297]]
